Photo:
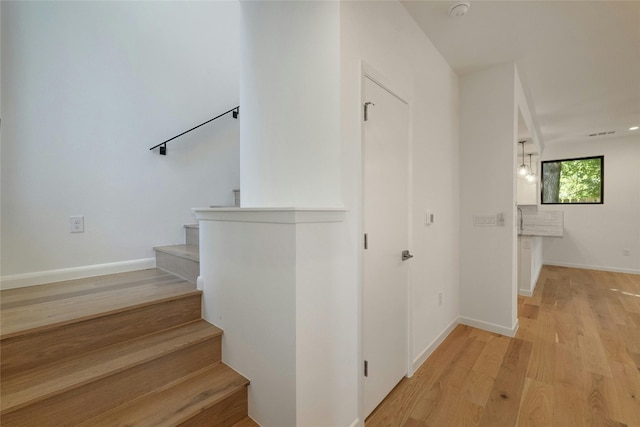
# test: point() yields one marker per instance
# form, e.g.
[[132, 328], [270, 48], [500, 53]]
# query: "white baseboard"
[[51, 276], [593, 267], [418, 361], [356, 423], [491, 327], [525, 292]]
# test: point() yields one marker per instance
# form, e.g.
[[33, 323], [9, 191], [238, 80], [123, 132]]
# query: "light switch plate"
[[428, 218], [484, 220]]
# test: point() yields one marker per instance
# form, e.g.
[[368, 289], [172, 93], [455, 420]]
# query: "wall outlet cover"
[[76, 224]]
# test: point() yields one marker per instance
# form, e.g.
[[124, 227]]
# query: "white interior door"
[[386, 226]]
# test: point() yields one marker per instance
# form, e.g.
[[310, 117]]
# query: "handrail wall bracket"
[[235, 112]]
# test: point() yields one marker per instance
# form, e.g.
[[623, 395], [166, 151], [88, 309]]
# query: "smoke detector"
[[459, 8]]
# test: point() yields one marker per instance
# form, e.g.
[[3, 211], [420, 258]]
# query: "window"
[[573, 181]]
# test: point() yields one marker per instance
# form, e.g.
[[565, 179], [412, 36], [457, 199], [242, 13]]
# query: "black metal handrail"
[[163, 145]]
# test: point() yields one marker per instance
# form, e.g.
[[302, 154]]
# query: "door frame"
[[368, 71]]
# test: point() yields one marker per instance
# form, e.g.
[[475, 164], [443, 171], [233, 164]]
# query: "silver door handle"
[[406, 255]]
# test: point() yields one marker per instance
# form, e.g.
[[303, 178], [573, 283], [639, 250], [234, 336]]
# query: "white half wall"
[[596, 236], [273, 280], [488, 133], [87, 89]]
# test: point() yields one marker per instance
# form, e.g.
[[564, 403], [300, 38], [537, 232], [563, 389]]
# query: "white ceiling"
[[579, 61]]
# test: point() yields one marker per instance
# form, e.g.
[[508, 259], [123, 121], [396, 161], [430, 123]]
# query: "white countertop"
[[542, 223]]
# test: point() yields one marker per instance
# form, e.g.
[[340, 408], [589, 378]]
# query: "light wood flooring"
[[574, 362]]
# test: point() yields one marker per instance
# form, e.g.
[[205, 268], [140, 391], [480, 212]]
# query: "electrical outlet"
[[76, 224], [440, 297]]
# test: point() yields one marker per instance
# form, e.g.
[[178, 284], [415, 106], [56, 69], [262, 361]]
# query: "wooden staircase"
[[182, 260], [125, 349]]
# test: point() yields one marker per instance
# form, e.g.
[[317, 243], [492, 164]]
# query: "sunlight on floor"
[[626, 293]]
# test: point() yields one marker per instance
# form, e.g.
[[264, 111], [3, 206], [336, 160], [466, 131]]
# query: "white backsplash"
[[542, 223]]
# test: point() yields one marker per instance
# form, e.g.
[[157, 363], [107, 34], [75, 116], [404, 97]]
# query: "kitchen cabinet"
[[526, 192], [529, 263]]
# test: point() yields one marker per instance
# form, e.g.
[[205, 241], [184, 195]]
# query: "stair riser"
[[182, 267], [35, 349], [84, 402], [224, 413], [192, 236]]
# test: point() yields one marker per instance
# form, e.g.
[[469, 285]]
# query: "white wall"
[[595, 235], [325, 256], [292, 288], [87, 88], [290, 90], [1, 138], [248, 271], [384, 36], [326, 348], [488, 133]]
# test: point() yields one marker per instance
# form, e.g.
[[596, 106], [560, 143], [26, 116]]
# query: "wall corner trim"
[[51, 276]]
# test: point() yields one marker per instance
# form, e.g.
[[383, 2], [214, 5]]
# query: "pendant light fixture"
[[531, 177], [523, 170]]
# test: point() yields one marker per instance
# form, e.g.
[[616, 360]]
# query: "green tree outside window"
[[573, 181]]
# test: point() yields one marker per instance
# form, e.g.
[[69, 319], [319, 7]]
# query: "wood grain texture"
[[84, 349], [191, 252], [197, 395], [575, 361], [38, 314], [46, 381], [31, 349], [61, 290], [80, 403]]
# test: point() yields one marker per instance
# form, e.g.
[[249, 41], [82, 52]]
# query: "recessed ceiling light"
[[634, 128]]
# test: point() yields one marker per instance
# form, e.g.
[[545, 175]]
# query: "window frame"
[[542, 164]]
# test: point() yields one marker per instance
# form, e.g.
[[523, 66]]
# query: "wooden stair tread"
[[176, 403], [22, 389], [40, 313], [41, 293], [191, 252]]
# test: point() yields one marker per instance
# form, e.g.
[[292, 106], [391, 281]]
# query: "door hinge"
[[366, 368], [366, 241], [366, 110]]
